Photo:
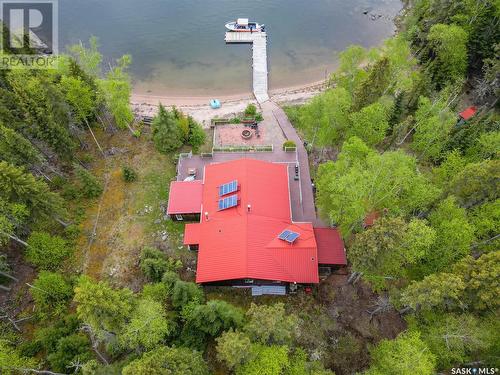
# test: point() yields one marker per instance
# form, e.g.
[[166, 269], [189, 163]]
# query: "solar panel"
[[228, 202], [292, 237], [289, 236], [283, 235], [228, 188]]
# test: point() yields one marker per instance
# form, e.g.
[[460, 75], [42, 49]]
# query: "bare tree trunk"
[[8, 276], [15, 238], [485, 242], [95, 343], [64, 224], [95, 139], [27, 370]]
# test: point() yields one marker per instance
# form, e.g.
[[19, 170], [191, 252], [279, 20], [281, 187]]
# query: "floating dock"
[[259, 59]]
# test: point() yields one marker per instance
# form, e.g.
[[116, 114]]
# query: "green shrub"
[[51, 293], [270, 324], [235, 120], [197, 135], [30, 348], [288, 144], [164, 360], [72, 232], [158, 292], [233, 348], [186, 292], [169, 279], [155, 263], [49, 336], [128, 174], [251, 110], [208, 320], [71, 192], [47, 252], [90, 186], [258, 117], [86, 158], [70, 349]]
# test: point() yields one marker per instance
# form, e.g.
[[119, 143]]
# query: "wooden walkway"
[[259, 60]]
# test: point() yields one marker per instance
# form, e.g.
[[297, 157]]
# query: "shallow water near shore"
[[178, 46]]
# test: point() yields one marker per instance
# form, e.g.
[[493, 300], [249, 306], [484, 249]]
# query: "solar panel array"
[[289, 236], [228, 202], [228, 188]]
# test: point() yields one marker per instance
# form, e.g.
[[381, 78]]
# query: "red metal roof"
[[238, 243], [185, 197], [468, 113], [330, 246], [192, 234]]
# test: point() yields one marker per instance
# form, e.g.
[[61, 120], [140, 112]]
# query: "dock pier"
[[258, 40]]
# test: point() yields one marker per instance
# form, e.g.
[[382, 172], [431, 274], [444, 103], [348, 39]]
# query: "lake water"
[[178, 45]]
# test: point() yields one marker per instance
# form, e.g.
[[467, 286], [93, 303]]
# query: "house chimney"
[[249, 207], [206, 215]]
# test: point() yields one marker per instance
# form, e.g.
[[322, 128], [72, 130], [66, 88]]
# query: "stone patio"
[[230, 135]]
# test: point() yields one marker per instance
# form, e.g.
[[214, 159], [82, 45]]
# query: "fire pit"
[[246, 134]]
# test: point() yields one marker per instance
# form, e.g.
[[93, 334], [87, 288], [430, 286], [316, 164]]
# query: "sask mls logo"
[[474, 370], [29, 29]]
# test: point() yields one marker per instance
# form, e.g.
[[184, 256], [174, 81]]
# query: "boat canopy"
[[242, 21]]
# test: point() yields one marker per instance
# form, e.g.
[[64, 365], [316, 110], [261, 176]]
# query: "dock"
[[259, 60]]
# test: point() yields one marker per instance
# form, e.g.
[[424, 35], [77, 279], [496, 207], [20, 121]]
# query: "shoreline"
[[199, 108], [192, 100]]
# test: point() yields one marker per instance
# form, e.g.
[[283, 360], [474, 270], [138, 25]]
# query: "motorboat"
[[243, 25]]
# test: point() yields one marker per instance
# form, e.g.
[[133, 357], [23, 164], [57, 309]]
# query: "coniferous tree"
[[19, 186], [374, 85], [167, 135], [16, 149]]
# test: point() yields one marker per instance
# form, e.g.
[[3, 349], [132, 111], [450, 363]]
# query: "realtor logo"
[[29, 34]]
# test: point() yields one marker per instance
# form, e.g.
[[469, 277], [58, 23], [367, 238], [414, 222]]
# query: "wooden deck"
[[259, 60]]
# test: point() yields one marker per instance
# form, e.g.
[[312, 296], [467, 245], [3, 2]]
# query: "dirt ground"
[[18, 298], [356, 329]]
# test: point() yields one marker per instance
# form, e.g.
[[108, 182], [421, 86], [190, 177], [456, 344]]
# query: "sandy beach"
[[198, 106]]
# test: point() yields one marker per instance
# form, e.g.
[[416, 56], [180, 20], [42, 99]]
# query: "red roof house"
[[240, 240]]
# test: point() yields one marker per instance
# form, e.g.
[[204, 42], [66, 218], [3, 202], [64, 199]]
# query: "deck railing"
[[182, 155], [263, 148]]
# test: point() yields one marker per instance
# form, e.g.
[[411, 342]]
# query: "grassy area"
[[209, 143], [128, 216]]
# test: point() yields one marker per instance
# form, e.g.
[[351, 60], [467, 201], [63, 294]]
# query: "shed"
[[184, 200], [468, 113], [330, 247]]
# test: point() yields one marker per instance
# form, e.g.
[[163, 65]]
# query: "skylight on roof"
[[289, 236]]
